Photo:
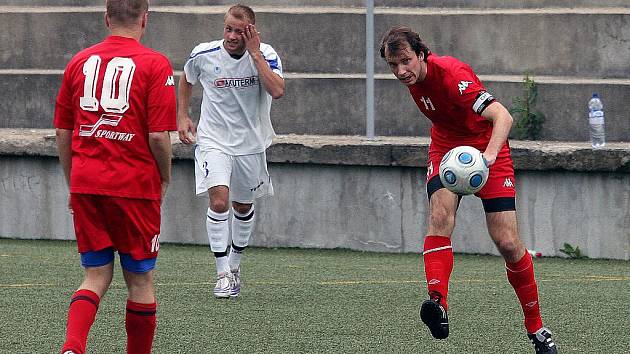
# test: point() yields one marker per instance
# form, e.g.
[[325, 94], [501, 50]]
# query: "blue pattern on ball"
[[475, 181], [465, 158], [450, 177]]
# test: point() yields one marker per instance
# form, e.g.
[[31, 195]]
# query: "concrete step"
[[335, 104], [517, 4], [309, 39]]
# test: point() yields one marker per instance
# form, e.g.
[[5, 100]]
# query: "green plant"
[[528, 121], [572, 252]]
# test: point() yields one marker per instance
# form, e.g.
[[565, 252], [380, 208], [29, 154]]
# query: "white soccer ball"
[[463, 170]]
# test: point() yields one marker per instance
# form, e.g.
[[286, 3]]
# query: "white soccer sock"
[[222, 265], [242, 226], [218, 236], [235, 258]]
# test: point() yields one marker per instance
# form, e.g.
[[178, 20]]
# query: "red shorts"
[[128, 225], [501, 182]]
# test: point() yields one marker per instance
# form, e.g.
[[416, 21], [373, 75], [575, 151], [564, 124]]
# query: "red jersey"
[[112, 96], [453, 98]]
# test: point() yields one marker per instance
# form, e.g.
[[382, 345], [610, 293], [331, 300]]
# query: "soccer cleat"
[[543, 342], [236, 283], [435, 317], [223, 287]]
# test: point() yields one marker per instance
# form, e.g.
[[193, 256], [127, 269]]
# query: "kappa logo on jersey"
[[430, 169], [106, 119], [170, 81], [238, 83], [463, 85], [508, 183]]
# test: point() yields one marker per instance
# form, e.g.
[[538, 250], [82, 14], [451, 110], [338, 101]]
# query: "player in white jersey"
[[240, 76]]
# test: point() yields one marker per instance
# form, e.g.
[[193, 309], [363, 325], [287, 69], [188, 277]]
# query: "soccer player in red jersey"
[[114, 111], [462, 112]]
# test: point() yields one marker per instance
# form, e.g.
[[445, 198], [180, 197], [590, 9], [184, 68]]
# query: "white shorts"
[[246, 176]]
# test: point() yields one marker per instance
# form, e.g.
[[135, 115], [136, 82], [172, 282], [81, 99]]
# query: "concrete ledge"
[[359, 151], [349, 192]]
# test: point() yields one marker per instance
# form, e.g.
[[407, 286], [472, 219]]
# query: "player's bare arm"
[[160, 145], [501, 124], [64, 146], [273, 83], [185, 126]]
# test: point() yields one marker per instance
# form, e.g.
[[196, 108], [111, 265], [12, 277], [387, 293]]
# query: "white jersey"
[[235, 108]]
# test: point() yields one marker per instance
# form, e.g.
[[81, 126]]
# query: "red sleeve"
[[464, 86], [162, 111], [64, 111]]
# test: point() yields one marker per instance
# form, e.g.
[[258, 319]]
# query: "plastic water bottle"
[[596, 121]]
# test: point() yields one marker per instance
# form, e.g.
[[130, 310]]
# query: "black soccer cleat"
[[543, 342], [435, 317]]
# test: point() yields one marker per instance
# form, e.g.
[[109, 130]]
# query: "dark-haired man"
[[462, 112], [113, 115], [240, 76]]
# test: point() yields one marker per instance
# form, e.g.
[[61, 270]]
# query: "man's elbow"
[[159, 138]]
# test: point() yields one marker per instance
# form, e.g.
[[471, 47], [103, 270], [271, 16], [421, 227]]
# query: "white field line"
[[587, 278]]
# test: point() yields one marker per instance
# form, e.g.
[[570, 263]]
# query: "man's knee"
[[140, 285], [242, 208], [509, 247], [440, 218], [219, 205]]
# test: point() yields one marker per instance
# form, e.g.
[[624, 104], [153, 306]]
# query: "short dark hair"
[[126, 12], [397, 37], [242, 12]]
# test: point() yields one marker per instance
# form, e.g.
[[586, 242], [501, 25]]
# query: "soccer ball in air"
[[463, 170]]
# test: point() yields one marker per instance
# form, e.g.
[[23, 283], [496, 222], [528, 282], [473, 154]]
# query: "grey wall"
[[374, 208], [570, 52]]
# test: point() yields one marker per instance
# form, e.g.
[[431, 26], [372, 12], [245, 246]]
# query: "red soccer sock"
[[81, 315], [438, 265], [140, 322], [521, 277]]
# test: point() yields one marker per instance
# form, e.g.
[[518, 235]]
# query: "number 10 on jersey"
[[116, 84]]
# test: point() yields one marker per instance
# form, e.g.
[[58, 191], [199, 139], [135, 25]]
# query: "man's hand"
[[490, 158], [251, 36], [186, 130]]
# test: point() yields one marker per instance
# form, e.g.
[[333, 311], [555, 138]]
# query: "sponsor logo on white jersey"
[[170, 81], [463, 85], [239, 82], [508, 183]]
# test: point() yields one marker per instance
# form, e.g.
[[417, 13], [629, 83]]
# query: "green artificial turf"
[[315, 301]]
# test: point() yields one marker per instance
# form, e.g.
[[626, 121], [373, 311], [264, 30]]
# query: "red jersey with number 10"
[[453, 98], [112, 96]]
